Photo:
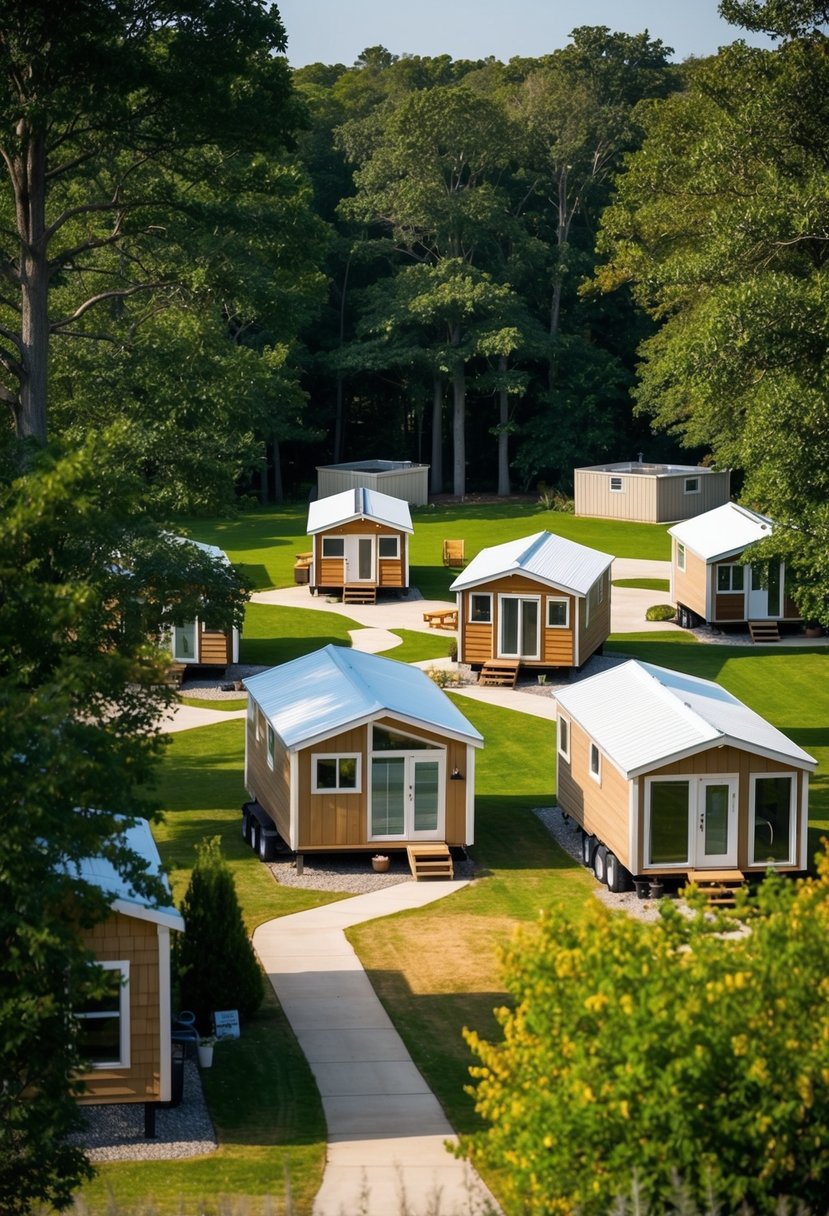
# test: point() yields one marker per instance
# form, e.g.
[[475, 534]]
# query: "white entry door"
[[765, 592], [359, 559], [716, 822]]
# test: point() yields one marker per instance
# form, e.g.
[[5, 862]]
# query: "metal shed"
[[649, 493], [398, 478]]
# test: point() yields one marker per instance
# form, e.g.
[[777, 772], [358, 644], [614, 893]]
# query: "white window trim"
[[732, 590], [503, 654], [436, 754], [596, 774], [793, 808], [558, 599], [680, 556], [388, 557], [484, 595], [337, 789], [697, 487], [123, 966], [687, 779], [327, 540], [270, 744], [620, 489], [564, 752]]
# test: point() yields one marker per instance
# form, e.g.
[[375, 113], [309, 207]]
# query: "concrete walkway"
[[387, 1134]]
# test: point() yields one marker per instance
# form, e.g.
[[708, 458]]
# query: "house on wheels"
[[541, 601], [669, 776], [351, 751], [126, 1037], [360, 544], [712, 581]]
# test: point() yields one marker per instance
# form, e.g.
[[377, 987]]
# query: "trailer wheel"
[[618, 878], [588, 848], [600, 863]]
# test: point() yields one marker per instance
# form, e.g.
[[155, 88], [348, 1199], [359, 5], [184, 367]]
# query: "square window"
[[388, 546], [480, 609], [692, 485], [616, 484], [333, 546], [335, 774], [558, 614]]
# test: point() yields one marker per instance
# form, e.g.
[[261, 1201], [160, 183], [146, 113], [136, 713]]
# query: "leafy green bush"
[[215, 961], [690, 1048], [660, 612], [453, 650]]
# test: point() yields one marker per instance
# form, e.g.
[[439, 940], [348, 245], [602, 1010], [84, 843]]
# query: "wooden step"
[[430, 861], [499, 673], [764, 631], [359, 593], [718, 886]]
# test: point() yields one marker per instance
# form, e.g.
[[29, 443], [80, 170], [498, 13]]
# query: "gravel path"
[[116, 1133]]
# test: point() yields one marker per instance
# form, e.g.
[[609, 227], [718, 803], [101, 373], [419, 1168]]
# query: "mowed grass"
[[263, 542], [644, 584]]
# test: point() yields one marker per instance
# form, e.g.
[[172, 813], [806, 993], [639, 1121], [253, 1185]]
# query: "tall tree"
[[720, 226], [87, 583], [111, 115]]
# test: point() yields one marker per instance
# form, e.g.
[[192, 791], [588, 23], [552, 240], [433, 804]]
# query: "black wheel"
[[600, 863], [618, 878], [588, 848]]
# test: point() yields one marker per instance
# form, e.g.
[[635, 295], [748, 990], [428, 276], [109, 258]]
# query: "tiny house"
[[543, 601], [649, 493], [670, 776], [360, 543], [196, 643], [126, 1037], [712, 582], [351, 751]]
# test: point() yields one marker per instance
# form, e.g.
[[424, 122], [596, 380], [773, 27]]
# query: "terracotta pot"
[[380, 864]]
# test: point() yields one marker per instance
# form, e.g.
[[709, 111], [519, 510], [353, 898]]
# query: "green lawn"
[[263, 542], [644, 584]]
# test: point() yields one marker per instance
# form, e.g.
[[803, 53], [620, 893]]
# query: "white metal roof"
[[102, 874], [723, 532], [212, 550], [359, 503], [551, 559], [322, 693], [643, 716]]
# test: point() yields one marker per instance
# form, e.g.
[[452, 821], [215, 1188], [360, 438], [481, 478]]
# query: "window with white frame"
[[731, 578], [480, 608], [616, 485], [680, 555], [333, 546], [558, 613], [104, 1022], [388, 546], [692, 485], [772, 819], [595, 763], [271, 742], [338, 774], [564, 738]]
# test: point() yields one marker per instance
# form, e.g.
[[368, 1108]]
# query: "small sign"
[[226, 1023]]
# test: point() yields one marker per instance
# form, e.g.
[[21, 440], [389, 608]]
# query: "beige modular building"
[[399, 478], [649, 493]]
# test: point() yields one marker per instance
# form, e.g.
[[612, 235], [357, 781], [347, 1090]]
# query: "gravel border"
[[116, 1132], [351, 873]]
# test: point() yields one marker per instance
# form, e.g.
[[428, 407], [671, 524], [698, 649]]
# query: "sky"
[[336, 31]]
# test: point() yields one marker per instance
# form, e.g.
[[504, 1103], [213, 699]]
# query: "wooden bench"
[[499, 673], [442, 618]]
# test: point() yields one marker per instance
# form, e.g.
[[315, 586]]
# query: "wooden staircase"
[[359, 593], [718, 886], [499, 673], [430, 861], [764, 631]]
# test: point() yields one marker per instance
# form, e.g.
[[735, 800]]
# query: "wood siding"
[[125, 938], [388, 572], [601, 808], [689, 584], [215, 647], [335, 820], [479, 641], [648, 497]]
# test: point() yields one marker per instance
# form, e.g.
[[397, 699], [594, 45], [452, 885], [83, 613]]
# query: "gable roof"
[[723, 532], [359, 503], [320, 694], [101, 873], [551, 559], [643, 716]]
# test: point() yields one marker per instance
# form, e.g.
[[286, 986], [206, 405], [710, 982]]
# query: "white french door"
[[692, 821], [407, 796]]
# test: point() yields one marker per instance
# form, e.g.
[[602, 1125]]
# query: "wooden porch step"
[[718, 886], [764, 631], [359, 593], [430, 861], [499, 673]]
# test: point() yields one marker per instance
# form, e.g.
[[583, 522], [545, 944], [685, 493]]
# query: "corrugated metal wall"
[[410, 484], [646, 498]]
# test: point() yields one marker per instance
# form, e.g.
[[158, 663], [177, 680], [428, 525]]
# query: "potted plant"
[[205, 1048], [380, 863], [812, 629]]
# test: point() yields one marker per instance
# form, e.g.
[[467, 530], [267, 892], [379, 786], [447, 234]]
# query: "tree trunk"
[[338, 421], [565, 218], [278, 487], [30, 191], [459, 430], [436, 472], [503, 434]]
